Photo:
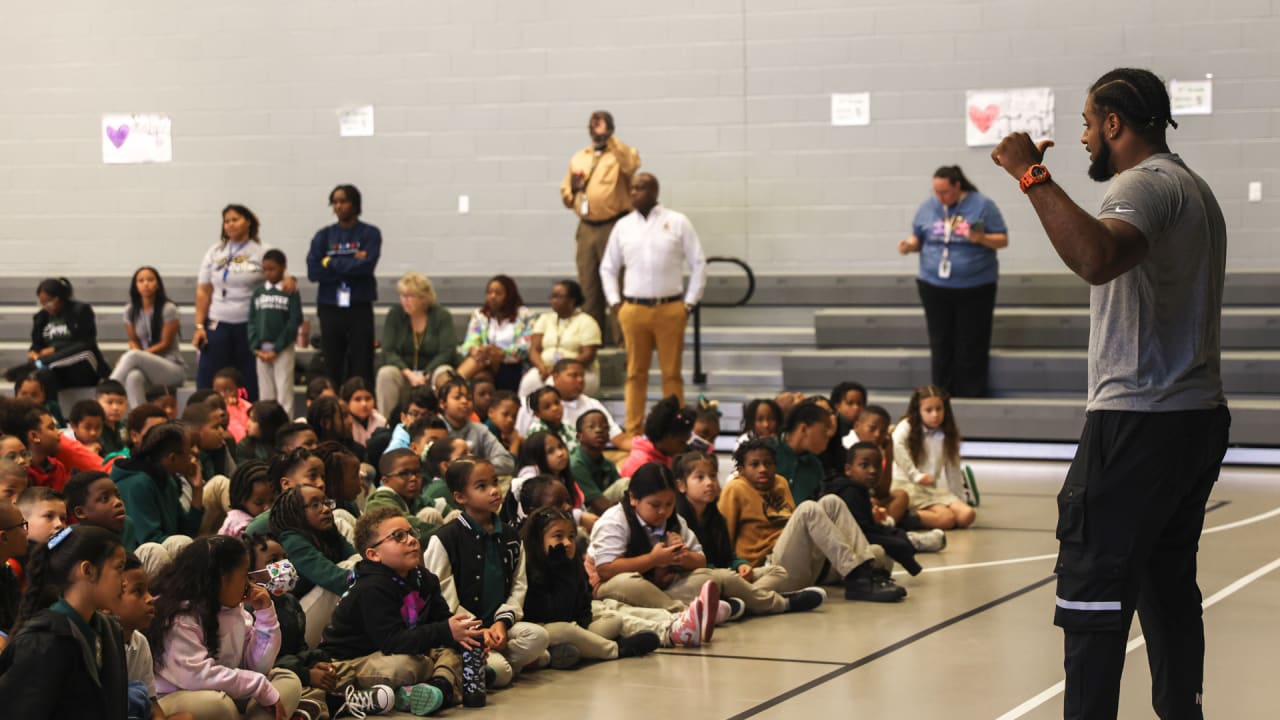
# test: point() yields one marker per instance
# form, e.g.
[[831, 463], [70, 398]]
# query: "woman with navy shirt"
[[957, 233], [342, 260]]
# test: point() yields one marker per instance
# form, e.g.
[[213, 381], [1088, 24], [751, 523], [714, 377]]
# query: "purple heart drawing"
[[117, 136]]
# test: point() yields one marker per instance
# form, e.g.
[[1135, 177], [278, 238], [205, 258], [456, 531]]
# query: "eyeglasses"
[[318, 505], [22, 525], [403, 474], [399, 537]]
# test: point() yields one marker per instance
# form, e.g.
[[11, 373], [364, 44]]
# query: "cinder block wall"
[[727, 101]]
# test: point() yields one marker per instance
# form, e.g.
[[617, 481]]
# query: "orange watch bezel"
[[1028, 180]]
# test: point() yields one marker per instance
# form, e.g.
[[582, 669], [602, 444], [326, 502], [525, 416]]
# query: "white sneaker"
[[374, 701], [928, 541]]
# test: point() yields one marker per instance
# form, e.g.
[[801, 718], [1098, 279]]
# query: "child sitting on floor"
[[926, 456], [251, 495], [667, 431]]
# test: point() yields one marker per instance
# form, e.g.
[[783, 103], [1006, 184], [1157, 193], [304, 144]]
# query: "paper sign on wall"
[[990, 115], [356, 122], [850, 109], [138, 138], [1194, 97]]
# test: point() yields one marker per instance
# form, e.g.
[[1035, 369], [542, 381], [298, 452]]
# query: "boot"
[[862, 584]]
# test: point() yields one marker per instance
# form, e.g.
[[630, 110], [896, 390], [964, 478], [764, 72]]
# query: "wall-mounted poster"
[[990, 115], [850, 109], [138, 138], [1191, 97], [356, 122]]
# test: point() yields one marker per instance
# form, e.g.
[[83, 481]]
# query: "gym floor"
[[974, 639]]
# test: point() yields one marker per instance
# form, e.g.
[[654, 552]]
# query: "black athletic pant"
[[959, 321], [346, 338], [1129, 521]]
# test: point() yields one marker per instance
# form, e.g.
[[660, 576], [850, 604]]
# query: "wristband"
[[1034, 175]]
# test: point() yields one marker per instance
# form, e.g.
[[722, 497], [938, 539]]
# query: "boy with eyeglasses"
[[13, 543], [393, 641], [401, 490]]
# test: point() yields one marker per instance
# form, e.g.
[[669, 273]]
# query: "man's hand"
[[361, 254], [908, 245], [289, 285], [266, 356], [578, 181], [1016, 153]]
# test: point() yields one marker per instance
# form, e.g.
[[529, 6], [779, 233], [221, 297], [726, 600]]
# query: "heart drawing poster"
[[990, 115], [138, 138]]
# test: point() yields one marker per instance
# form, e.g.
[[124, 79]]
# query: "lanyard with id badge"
[[232, 253], [944, 265]]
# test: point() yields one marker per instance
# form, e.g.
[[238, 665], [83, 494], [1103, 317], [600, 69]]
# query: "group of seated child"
[[347, 565]]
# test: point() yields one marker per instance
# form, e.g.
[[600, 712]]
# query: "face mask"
[[277, 578], [558, 556]]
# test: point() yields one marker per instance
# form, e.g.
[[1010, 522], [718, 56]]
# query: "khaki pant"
[[818, 533], [645, 329], [634, 589], [592, 241], [400, 670], [525, 644], [275, 380], [217, 705], [594, 643], [392, 387], [635, 620]]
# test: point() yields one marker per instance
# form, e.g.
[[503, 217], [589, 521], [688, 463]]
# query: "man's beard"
[[600, 141], [1100, 167]]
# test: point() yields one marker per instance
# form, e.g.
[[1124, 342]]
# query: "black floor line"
[[748, 657], [1013, 529], [1047, 496], [864, 660]]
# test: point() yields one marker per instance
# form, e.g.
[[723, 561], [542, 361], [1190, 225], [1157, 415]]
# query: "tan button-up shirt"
[[608, 173]]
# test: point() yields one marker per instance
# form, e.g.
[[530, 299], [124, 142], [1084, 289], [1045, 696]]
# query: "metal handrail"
[[700, 377]]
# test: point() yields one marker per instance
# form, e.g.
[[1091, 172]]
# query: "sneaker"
[[888, 521], [308, 710], [420, 699], [884, 579], [737, 608], [971, 494], [564, 656], [861, 584], [710, 597], [804, 600], [928, 541], [686, 629], [638, 644], [362, 703]]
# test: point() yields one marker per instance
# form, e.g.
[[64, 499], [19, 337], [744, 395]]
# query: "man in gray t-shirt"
[[1132, 507]]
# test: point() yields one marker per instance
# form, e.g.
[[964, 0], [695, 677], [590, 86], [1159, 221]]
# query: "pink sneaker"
[[722, 615], [710, 599], [686, 630]]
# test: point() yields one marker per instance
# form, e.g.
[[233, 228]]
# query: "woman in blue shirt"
[[957, 233]]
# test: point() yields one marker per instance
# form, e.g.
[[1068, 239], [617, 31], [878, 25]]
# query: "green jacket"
[[386, 497], [152, 501], [437, 489], [593, 476], [434, 348], [804, 471], [274, 318], [313, 567]]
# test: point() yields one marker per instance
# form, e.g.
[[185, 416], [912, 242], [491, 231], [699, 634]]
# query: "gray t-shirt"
[[234, 270], [1155, 331], [142, 328]]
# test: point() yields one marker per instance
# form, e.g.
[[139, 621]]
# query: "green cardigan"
[[436, 347], [154, 509]]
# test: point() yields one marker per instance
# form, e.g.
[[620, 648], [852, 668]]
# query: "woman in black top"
[[64, 340]]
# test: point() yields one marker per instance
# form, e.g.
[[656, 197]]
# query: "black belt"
[[599, 223], [651, 302]]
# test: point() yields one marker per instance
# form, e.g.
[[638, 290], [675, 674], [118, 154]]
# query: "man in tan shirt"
[[597, 188]]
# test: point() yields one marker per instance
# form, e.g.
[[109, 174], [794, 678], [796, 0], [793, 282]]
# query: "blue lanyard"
[[231, 253]]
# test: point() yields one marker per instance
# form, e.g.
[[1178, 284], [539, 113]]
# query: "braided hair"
[[289, 514], [245, 477], [1138, 97]]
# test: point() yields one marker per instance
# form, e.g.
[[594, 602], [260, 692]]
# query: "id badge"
[[585, 207], [944, 268], [344, 297]]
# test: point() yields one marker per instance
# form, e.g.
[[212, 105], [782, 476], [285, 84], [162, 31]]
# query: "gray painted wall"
[[727, 101]]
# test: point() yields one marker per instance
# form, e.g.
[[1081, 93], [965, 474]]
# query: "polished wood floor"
[[973, 640]]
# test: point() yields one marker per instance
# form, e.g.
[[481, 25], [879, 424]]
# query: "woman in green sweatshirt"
[[417, 339]]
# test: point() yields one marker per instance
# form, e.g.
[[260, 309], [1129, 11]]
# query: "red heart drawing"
[[982, 118]]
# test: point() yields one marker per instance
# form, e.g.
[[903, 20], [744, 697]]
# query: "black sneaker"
[[737, 608], [804, 600], [861, 584], [638, 644], [884, 579], [564, 656]]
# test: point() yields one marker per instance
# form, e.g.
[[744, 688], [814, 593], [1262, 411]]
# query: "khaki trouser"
[[592, 241], [275, 379], [400, 670], [525, 644], [635, 620], [635, 589], [217, 705], [594, 643], [818, 533], [645, 329]]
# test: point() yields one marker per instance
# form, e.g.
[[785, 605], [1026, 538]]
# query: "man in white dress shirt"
[[654, 244]]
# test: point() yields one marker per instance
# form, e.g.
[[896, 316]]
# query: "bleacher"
[[808, 332]]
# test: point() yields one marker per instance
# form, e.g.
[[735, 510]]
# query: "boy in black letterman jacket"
[[481, 570]]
